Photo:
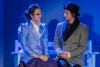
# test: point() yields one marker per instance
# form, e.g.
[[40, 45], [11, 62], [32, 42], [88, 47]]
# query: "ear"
[[73, 14], [31, 15]]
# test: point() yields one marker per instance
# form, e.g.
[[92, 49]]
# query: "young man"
[[71, 38]]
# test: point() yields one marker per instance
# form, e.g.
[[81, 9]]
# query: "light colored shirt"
[[36, 26]]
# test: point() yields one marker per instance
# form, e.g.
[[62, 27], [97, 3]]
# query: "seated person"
[[71, 38], [34, 40]]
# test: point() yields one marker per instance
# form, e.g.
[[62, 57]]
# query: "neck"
[[71, 20], [34, 22]]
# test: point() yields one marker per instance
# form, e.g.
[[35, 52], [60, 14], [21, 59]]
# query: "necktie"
[[69, 24]]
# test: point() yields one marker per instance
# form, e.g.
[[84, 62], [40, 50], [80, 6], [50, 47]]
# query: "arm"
[[82, 44], [56, 41], [45, 42], [22, 34]]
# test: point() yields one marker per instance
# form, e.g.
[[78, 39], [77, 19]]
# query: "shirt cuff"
[[58, 53], [68, 54]]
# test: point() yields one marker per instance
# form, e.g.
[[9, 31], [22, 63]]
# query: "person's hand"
[[44, 58], [36, 56], [64, 55]]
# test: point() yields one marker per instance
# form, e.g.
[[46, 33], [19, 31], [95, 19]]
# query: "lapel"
[[67, 33], [32, 29], [40, 28]]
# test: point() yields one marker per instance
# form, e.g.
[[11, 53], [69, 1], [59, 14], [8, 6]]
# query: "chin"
[[67, 19], [38, 20]]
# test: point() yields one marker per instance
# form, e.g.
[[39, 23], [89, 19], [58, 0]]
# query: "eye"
[[38, 14]]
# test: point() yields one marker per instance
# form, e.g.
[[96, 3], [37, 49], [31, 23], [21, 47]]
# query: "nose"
[[64, 14]]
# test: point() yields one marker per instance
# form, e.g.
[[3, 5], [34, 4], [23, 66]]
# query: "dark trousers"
[[37, 62], [63, 63], [77, 65]]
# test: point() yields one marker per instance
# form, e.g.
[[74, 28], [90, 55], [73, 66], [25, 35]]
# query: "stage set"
[[11, 16]]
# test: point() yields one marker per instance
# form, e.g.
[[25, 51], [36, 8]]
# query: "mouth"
[[65, 17]]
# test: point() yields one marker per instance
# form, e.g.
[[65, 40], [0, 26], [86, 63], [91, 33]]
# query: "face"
[[37, 15], [67, 14]]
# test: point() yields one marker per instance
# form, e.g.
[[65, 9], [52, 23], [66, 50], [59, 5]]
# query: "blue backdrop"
[[52, 13], [1, 33]]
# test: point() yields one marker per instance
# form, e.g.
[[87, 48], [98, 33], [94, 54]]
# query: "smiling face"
[[36, 15]]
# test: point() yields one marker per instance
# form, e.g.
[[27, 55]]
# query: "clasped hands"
[[42, 57], [63, 54]]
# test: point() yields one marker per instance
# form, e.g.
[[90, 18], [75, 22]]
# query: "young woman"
[[71, 38], [34, 40]]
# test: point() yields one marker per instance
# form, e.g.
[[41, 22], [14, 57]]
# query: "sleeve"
[[57, 41], [82, 44], [22, 34], [45, 42]]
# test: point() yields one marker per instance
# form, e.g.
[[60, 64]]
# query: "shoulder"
[[61, 23], [82, 25], [22, 26]]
